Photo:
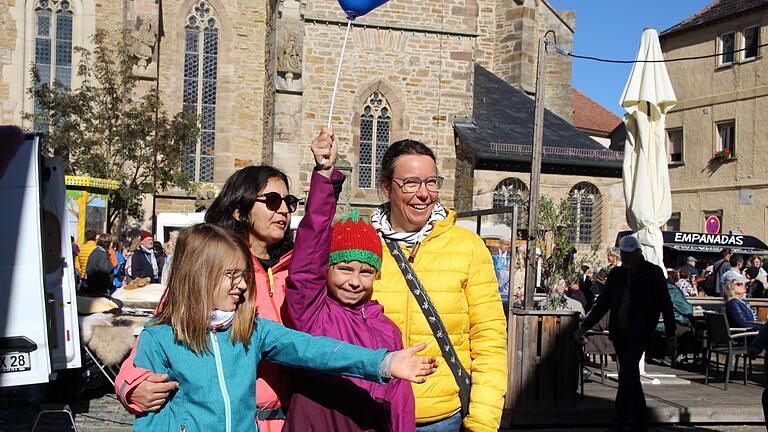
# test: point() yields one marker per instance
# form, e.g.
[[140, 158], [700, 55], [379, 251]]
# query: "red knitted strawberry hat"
[[354, 239]]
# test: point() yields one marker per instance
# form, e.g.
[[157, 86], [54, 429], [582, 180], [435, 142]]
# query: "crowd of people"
[[642, 304], [103, 264], [729, 277]]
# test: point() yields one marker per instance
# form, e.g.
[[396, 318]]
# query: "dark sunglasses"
[[274, 200]]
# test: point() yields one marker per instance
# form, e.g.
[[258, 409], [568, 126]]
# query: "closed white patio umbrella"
[[647, 97]]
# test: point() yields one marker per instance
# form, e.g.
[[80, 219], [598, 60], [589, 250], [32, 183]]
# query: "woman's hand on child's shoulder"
[[324, 151], [409, 366]]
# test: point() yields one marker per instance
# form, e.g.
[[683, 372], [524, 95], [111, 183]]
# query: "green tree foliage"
[[103, 129]]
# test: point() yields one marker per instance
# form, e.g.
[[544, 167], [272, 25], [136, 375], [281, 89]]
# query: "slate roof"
[[500, 136], [590, 115], [714, 12]]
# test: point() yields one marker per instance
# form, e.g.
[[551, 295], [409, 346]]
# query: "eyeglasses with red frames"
[[237, 275], [274, 200]]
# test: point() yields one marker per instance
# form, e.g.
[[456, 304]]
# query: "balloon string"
[[338, 72]]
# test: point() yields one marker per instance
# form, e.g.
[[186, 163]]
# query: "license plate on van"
[[15, 362]]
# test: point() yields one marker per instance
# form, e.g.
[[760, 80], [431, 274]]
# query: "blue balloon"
[[358, 8]]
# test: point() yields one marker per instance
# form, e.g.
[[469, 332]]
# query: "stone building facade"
[[261, 76], [406, 74], [721, 104]]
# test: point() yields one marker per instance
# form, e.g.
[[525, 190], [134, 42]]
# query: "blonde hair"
[[134, 244], [728, 290], [203, 253]]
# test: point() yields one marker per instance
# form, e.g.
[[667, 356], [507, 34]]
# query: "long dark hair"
[[239, 193], [397, 149]]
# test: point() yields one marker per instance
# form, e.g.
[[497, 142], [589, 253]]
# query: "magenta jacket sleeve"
[[306, 284]]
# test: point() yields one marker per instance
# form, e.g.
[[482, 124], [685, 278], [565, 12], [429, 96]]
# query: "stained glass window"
[[201, 47], [53, 48], [375, 123], [584, 201]]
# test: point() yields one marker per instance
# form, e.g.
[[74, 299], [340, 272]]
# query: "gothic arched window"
[[53, 48], [584, 200], [375, 122], [201, 46], [509, 192]]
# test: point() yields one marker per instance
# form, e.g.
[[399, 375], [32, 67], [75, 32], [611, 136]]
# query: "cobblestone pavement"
[[98, 410], [95, 409]]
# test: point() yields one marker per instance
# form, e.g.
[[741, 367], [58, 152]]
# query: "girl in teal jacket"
[[208, 338]]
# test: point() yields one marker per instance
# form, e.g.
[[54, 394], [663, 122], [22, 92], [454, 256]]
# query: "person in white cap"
[[635, 294]]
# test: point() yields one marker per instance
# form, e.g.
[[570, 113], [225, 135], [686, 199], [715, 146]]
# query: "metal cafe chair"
[[54, 409], [721, 341], [601, 353]]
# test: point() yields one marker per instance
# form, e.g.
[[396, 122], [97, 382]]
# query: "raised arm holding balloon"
[[328, 294]]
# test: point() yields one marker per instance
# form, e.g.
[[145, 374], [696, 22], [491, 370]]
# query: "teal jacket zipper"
[[222, 383]]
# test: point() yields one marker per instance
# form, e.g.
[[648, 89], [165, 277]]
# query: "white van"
[[38, 310]]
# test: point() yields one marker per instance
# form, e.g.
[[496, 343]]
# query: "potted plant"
[[722, 155]]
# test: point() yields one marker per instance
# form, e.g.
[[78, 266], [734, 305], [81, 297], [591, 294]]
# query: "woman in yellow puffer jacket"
[[456, 270]]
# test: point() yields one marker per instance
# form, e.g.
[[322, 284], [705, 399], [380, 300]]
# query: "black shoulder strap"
[[435, 323]]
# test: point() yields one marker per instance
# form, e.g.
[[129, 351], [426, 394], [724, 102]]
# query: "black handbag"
[[436, 324]]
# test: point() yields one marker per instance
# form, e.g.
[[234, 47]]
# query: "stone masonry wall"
[[240, 102], [430, 80], [508, 46], [453, 15], [424, 73]]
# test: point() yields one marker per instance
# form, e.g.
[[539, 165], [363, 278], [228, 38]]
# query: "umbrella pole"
[[338, 72]]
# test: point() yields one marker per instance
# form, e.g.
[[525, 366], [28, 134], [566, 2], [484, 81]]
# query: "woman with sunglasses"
[[737, 308], [254, 202], [456, 271]]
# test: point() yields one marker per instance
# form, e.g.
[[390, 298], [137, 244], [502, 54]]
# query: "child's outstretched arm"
[[306, 284], [293, 348]]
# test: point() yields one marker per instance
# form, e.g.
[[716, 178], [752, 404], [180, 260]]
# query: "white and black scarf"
[[380, 221], [221, 320]]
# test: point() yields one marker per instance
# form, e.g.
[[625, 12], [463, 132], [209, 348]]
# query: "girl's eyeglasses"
[[274, 200], [237, 275]]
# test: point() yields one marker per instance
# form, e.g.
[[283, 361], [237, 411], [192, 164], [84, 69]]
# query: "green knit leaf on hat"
[[353, 217]]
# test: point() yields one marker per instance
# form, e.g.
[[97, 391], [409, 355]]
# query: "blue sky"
[[612, 29]]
